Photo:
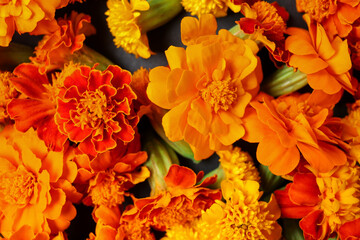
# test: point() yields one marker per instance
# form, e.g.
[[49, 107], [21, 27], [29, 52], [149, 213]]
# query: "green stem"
[[219, 171]]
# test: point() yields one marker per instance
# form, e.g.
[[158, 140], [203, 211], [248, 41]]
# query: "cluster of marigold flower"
[[70, 123]]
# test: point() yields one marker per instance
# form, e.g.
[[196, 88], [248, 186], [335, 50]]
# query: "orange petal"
[[323, 80], [308, 64], [180, 176]]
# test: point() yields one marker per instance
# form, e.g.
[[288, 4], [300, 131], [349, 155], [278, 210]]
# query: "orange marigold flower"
[[32, 16], [109, 175], [337, 16], [326, 62], [26, 232], [266, 23], [207, 88], [55, 49], [180, 203], [353, 120], [350, 230], [37, 108], [218, 8], [296, 124], [94, 108], [7, 93], [243, 216], [324, 201], [110, 226], [35, 185]]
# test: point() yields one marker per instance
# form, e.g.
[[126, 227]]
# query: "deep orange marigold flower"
[[36, 189], [337, 16], [55, 49], [37, 108], [7, 93], [350, 230], [266, 22], [32, 16], [296, 124], [94, 108], [180, 203], [207, 88], [326, 62], [324, 201], [111, 174], [218, 8], [26, 232], [243, 216]]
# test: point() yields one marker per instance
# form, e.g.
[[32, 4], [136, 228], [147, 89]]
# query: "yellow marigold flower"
[[216, 7], [238, 165], [206, 88], [243, 216], [196, 230], [7, 92], [129, 20]]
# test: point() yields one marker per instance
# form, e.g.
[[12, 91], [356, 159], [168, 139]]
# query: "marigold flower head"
[[353, 119], [337, 17], [35, 185], [207, 89], [26, 232], [296, 124], [94, 108], [111, 174], [324, 201], [243, 216], [266, 22], [326, 61], [109, 225], [180, 203], [218, 8], [238, 165], [38, 106], [55, 49]]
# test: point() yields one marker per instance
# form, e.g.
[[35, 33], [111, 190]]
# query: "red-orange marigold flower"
[[181, 203], [37, 108], [337, 16], [325, 202], [35, 185], [296, 124], [326, 61], [94, 108], [266, 22], [206, 87], [55, 49], [7, 93]]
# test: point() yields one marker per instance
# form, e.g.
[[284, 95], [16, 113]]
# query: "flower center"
[[318, 9], [17, 187], [108, 190], [220, 94], [92, 109], [246, 221]]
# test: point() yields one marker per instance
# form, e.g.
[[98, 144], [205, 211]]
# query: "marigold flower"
[[33, 16], [238, 165], [26, 232], [218, 8], [324, 201], [353, 119], [180, 203], [36, 190], [294, 124], [337, 17], [266, 22], [243, 216], [207, 89], [55, 49], [38, 106], [94, 108], [196, 230], [129, 20], [110, 226], [326, 62], [350, 230], [7, 92], [111, 174]]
